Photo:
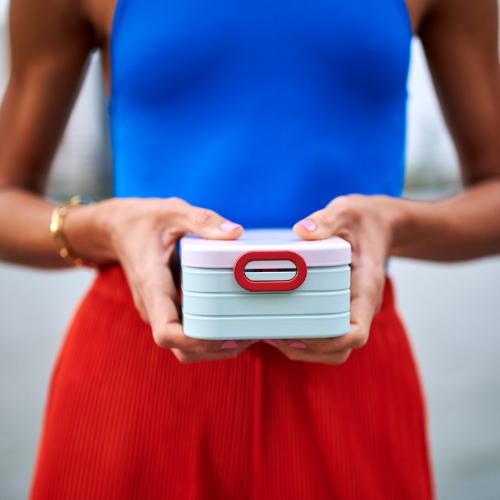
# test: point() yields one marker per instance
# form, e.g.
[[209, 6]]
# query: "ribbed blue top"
[[263, 111]]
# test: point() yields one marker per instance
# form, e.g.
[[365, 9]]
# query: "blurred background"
[[452, 311]]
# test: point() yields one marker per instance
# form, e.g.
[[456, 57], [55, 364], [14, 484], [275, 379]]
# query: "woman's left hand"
[[365, 222]]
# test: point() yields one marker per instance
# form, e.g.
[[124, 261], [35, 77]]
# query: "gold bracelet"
[[60, 242]]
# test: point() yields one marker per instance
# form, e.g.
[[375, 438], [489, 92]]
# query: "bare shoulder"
[[100, 14], [41, 29], [465, 18], [32, 19], [460, 38], [50, 42]]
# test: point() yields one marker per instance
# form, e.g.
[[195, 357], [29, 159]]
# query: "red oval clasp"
[[270, 286]]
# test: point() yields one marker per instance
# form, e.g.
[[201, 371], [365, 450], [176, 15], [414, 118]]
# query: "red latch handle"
[[270, 286]]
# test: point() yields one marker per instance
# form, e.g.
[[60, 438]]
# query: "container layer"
[[257, 303], [266, 327], [222, 280]]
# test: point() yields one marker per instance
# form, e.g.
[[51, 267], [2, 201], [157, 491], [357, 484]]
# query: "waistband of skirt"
[[112, 282]]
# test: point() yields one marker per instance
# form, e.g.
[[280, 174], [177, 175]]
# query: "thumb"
[[206, 223], [318, 226]]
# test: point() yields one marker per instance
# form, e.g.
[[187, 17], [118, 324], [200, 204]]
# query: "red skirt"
[[126, 420]]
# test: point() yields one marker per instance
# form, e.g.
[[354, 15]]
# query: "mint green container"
[[268, 284]]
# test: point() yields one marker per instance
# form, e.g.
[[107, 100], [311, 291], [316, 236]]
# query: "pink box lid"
[[198, 252]]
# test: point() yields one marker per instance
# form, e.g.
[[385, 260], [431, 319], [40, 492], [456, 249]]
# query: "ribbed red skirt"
[[126, 420]]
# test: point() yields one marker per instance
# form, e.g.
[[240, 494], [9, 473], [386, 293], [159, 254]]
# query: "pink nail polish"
[[228, 226], [229, 344], [308, 224], [254, 341], [297, 345], [271, 342]]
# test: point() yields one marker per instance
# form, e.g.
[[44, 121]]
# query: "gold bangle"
[[60, 242]]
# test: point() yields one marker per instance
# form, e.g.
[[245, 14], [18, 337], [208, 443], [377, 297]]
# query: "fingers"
[[318, 226], [368, 280], [366, 296], [188, 357], [324, 223], [329, 357], [144, 240], [341, 216], [359, 220], [158, 295], [201, 221], [366, 293]]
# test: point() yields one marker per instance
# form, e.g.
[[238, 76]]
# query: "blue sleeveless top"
[[263, 111]]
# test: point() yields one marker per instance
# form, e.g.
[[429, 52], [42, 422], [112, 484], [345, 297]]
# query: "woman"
[[271, 114]]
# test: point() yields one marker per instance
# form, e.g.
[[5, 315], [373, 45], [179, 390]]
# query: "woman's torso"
[[263, 112]]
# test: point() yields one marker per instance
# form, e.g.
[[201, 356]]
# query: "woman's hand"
[[366, 223], [142, 234]]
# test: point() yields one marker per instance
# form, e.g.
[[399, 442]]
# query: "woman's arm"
[[50, 42], [465, 226], [461, 42], [460, 38]]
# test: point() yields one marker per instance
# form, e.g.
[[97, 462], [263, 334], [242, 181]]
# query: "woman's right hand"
[[141, 235]]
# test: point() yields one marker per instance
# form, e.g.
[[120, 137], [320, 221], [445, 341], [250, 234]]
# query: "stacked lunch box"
[[268, 284]]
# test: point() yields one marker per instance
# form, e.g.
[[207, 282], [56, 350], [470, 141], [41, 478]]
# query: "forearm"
[[24, 231], [462, 227]]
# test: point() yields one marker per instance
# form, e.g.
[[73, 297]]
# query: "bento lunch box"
[[268, 284]]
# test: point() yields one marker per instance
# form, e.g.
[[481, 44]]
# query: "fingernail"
[[254, 341], [229, 344], [308, 224], [271, 342], [298, 345], [228, 226]]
